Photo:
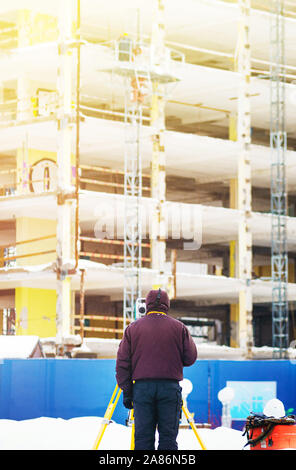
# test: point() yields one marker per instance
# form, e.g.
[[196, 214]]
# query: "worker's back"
[[158, 346], [150, 360]]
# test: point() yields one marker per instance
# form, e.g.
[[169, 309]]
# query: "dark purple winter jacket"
[[155, 346]]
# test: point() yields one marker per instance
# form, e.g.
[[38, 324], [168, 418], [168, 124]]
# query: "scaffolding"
[[128, 54], [74, 98], [278, 143], [146, 68]]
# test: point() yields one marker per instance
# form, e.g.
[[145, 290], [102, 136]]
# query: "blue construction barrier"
[[68, 388], [254, 383]]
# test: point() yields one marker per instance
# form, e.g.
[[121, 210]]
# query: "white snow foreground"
[[80, 434]]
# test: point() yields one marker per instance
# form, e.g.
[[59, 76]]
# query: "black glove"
[[127, 401]]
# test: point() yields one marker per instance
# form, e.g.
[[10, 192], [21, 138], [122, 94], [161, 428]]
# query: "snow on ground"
[[80, 434], [21, 347]]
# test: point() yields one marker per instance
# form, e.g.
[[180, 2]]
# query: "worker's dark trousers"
[[157, 403]]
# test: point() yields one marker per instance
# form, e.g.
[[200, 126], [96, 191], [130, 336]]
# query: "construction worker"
[[149, 366]]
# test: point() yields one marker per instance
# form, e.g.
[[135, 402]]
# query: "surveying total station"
[[140, 307]]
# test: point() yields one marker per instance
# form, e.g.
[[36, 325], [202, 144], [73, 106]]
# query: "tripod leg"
[[133, 430], [191, 422], [107, 416]]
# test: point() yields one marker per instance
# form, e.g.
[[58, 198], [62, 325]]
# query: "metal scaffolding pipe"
[[108, 242], [110, 256], [82, 302], [101, 318], [77, 162], [100, 329], [279, 207]]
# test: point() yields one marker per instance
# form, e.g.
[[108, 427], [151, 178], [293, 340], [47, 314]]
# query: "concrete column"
[[65, 189], [158, 175], [244, 179]]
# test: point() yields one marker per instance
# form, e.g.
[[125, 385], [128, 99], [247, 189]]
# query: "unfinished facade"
[[135, 153]]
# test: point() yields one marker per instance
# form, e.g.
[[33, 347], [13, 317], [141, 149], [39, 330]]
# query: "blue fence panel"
[[23, 392], [198, 399], [68, 388], [82, 389], [63, 388], [280, 372]]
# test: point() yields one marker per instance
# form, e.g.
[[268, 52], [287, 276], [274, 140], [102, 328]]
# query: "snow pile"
[[18, 347], [80, 434]]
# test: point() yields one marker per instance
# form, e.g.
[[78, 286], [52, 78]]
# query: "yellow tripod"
[[110, 410], [193, 427], [107, 416]]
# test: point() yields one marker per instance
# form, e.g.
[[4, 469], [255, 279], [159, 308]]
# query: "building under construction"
[[146, 145]]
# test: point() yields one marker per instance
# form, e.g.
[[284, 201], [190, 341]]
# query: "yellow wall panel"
[[35, 311], [234, 322]]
